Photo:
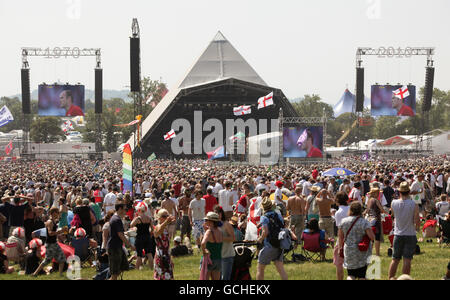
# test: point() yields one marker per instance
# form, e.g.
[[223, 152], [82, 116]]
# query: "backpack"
[[275, 226], [285, 239]]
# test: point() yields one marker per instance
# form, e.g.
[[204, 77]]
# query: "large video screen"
[[303, 141], [393, 100], [61, 100]]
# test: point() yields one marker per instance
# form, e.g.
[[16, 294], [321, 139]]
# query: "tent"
[[347, 104]]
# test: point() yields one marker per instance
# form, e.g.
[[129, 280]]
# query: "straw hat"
[[234, 220], [267, 204], [404, 187], [212, 216], [315, 188]]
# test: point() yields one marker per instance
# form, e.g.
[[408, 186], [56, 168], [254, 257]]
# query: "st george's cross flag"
[[265, 101], [402, 92], [9, 148], [242, 110], [170, 135]]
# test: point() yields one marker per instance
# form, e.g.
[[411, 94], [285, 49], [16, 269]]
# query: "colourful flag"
[[237, 136], [242, 110], [5, 116], [9, 148], [265, 101], [170, 135], [218, 153], [152, 157], [127, 169], [365, 156]]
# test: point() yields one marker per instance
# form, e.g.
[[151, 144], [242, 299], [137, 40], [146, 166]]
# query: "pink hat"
[[35, 243], [19, 232], [80, 232]]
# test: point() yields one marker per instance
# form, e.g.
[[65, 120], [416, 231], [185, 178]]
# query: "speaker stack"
[[26, 102], [98, 91], [135, 75], [359, 89], [428, 91]]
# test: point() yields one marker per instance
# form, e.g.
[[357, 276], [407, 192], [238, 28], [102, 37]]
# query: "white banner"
[[5, 116]]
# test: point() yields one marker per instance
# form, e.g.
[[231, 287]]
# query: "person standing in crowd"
[[171, 207], [418, 191], [109, 201], [143, 243], [326, 223], [342, 213], [227, 245], [211, 246], [226, 200], [296, 207], [388, 192], [196, 214], [312, 209], [183, 209], [406, 221], [351, 232], [163, 262], [211, 201], [373, 212], [269, 253], [116, 254]]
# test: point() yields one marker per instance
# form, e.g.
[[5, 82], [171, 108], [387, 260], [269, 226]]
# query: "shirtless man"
[[296, 206], [183, 208], [325, 200], [171, 207]]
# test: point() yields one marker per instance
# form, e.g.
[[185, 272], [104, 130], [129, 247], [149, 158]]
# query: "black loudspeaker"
[[135, 85], [98, 91], [359, 89], [428, 91], [26, 103]]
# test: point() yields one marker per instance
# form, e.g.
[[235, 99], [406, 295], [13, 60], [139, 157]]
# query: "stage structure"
[[391, 52], [218, 81], [58, 52], [302, 122]]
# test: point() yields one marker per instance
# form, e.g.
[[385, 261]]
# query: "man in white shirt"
[[307, 188], [261, 186], [109, 201], [226, 200], [418, 191], [196, 214], [217, 188]]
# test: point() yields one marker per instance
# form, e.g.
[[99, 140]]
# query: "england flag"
[[242, 110], [170, 135], [402, 92], [265, 101]]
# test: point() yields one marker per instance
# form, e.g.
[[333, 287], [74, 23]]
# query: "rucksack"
[[275, 226]]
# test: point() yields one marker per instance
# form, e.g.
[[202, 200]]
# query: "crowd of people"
[[52, 209]]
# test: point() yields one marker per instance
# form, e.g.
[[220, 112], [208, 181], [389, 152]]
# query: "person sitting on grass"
[[4, 267], [15, 250], [429, 229], [33, 258], [82, 244], [179, 249]]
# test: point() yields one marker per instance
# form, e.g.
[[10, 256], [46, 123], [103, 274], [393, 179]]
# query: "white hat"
[[177, 239], [19, 232]]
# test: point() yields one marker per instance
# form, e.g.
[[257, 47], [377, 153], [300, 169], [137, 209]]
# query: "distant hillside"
[[90, 94]]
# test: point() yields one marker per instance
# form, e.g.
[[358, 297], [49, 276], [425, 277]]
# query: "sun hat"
[[80, 232], [234, 220], [177, 239], [35, 243], [404, 187], [212, 216], [267, 204], [19, 232], [315, 188]]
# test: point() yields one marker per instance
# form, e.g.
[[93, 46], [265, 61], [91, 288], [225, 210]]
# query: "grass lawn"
[[429, 265]]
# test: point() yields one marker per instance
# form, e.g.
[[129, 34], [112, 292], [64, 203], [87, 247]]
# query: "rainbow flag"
[[127, 169]]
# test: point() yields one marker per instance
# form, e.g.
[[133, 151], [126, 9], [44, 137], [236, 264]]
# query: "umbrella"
[[338, 172]]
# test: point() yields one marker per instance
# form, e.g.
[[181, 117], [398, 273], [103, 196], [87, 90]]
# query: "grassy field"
[[429, 265]]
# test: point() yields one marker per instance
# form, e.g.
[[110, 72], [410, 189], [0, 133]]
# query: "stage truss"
[[318, 121], [391, 52], [58, 52]]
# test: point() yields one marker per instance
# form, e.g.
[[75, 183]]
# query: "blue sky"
[[300, 46]]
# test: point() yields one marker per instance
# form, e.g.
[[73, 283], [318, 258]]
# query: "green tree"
[[312, 106], [46, 130]]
